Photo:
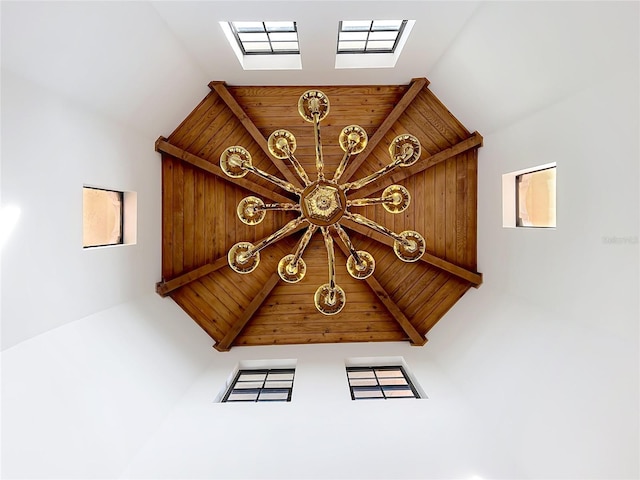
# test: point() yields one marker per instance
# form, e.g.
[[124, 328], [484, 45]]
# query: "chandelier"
[[322, 203]]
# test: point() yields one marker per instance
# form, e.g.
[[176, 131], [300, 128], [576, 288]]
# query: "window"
[[536, 198], [369, 36], [270, 38], [264, 385], [380, 382], [103, 217], [529, 197]]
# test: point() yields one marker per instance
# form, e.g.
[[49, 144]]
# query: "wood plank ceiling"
[[401, 301]]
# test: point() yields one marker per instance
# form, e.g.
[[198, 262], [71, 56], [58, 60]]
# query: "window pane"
[[243, 397], [363, 382], [267, 395], [383, 36], [389, 373], [367, 393], [253, 37], [285, 46], [257, 47], [361, 374], [351, 46], [280, 26], [280, 376], [284, 37], [102, 217], [386, 46], [248, 26], [356, 25], [398, 393], [243, 385], [248, 377], [279, 384], [537, 198], [393, 381], [386, 24], [348, 36]]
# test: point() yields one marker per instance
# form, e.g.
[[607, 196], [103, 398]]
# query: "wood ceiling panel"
[[401, 301]]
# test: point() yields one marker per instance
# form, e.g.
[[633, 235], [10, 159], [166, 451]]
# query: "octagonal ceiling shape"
[[200, 220]]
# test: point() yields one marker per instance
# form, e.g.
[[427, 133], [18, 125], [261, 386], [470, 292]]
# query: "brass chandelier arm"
[[297, 167], [318, 141], [304, 241], [374, 176], [343, 164], [347, 243], [270, 178], [274, 237], [328, 241], [363, 202], [279, 206]]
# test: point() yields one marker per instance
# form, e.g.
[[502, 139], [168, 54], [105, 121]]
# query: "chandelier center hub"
[[323, 203]]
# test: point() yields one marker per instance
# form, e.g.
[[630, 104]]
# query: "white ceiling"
[[490, 62]]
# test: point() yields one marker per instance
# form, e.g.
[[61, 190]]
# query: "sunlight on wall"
[[9, 216]]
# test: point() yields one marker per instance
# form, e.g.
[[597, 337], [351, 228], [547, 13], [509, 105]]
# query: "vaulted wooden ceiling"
[[401, 301]]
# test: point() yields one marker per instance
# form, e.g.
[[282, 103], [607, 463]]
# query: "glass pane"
[[363, 382], [386, 24], [249, 377], [393, 381], [361, 374], [256, 47], [537, 198], [265, 395], [284, 37], [248, 26], [243, 385], [383, 36], [242, 397], [279, 384], [389, 373], [386, 46], [285, 46], [367, 393], [349, 36], [351, 46], [253, 37], [356, 25], [102, 217], [398, 393], [280, 26], [280, 376]]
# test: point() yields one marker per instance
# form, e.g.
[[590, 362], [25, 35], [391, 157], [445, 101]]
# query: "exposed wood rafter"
[[220, 88], [394, 310], [163, 145], [474, 141], [417, 84], [224, 344], [472, 277]]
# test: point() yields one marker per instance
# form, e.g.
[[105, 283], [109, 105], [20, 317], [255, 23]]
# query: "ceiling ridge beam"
[[163, 146], [417, 84], [474, 278], [225, 344], [395, 311], [164, 288], [220, 88], [473, 141]]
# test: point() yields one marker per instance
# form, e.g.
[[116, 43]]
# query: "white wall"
[[80, 400]]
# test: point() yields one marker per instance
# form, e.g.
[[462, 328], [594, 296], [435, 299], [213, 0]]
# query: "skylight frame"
[[237, 388], [268, 31], [368, 31]]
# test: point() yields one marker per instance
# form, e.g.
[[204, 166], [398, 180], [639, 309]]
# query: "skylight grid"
[[269, 385], [266, 38], [380, 382], [369, 36]]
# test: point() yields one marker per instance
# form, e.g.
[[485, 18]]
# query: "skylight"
[[369, 36], [266, 38]]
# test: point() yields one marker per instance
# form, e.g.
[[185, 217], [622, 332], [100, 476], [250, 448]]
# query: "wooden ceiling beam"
[[220, 88], [165, 288], [226, 342], [472, 277], [474, 141], [417, 84], [390, 305], [163, 146]]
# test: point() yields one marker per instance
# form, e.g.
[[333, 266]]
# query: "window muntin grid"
[[369, 36], [266, 38], [264, 385], [380, 382]]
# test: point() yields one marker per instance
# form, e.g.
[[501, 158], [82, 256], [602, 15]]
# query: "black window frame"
[[378, 386], [236, 33], [518, 179], [121, 198], [364, 50], [267, 371]]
